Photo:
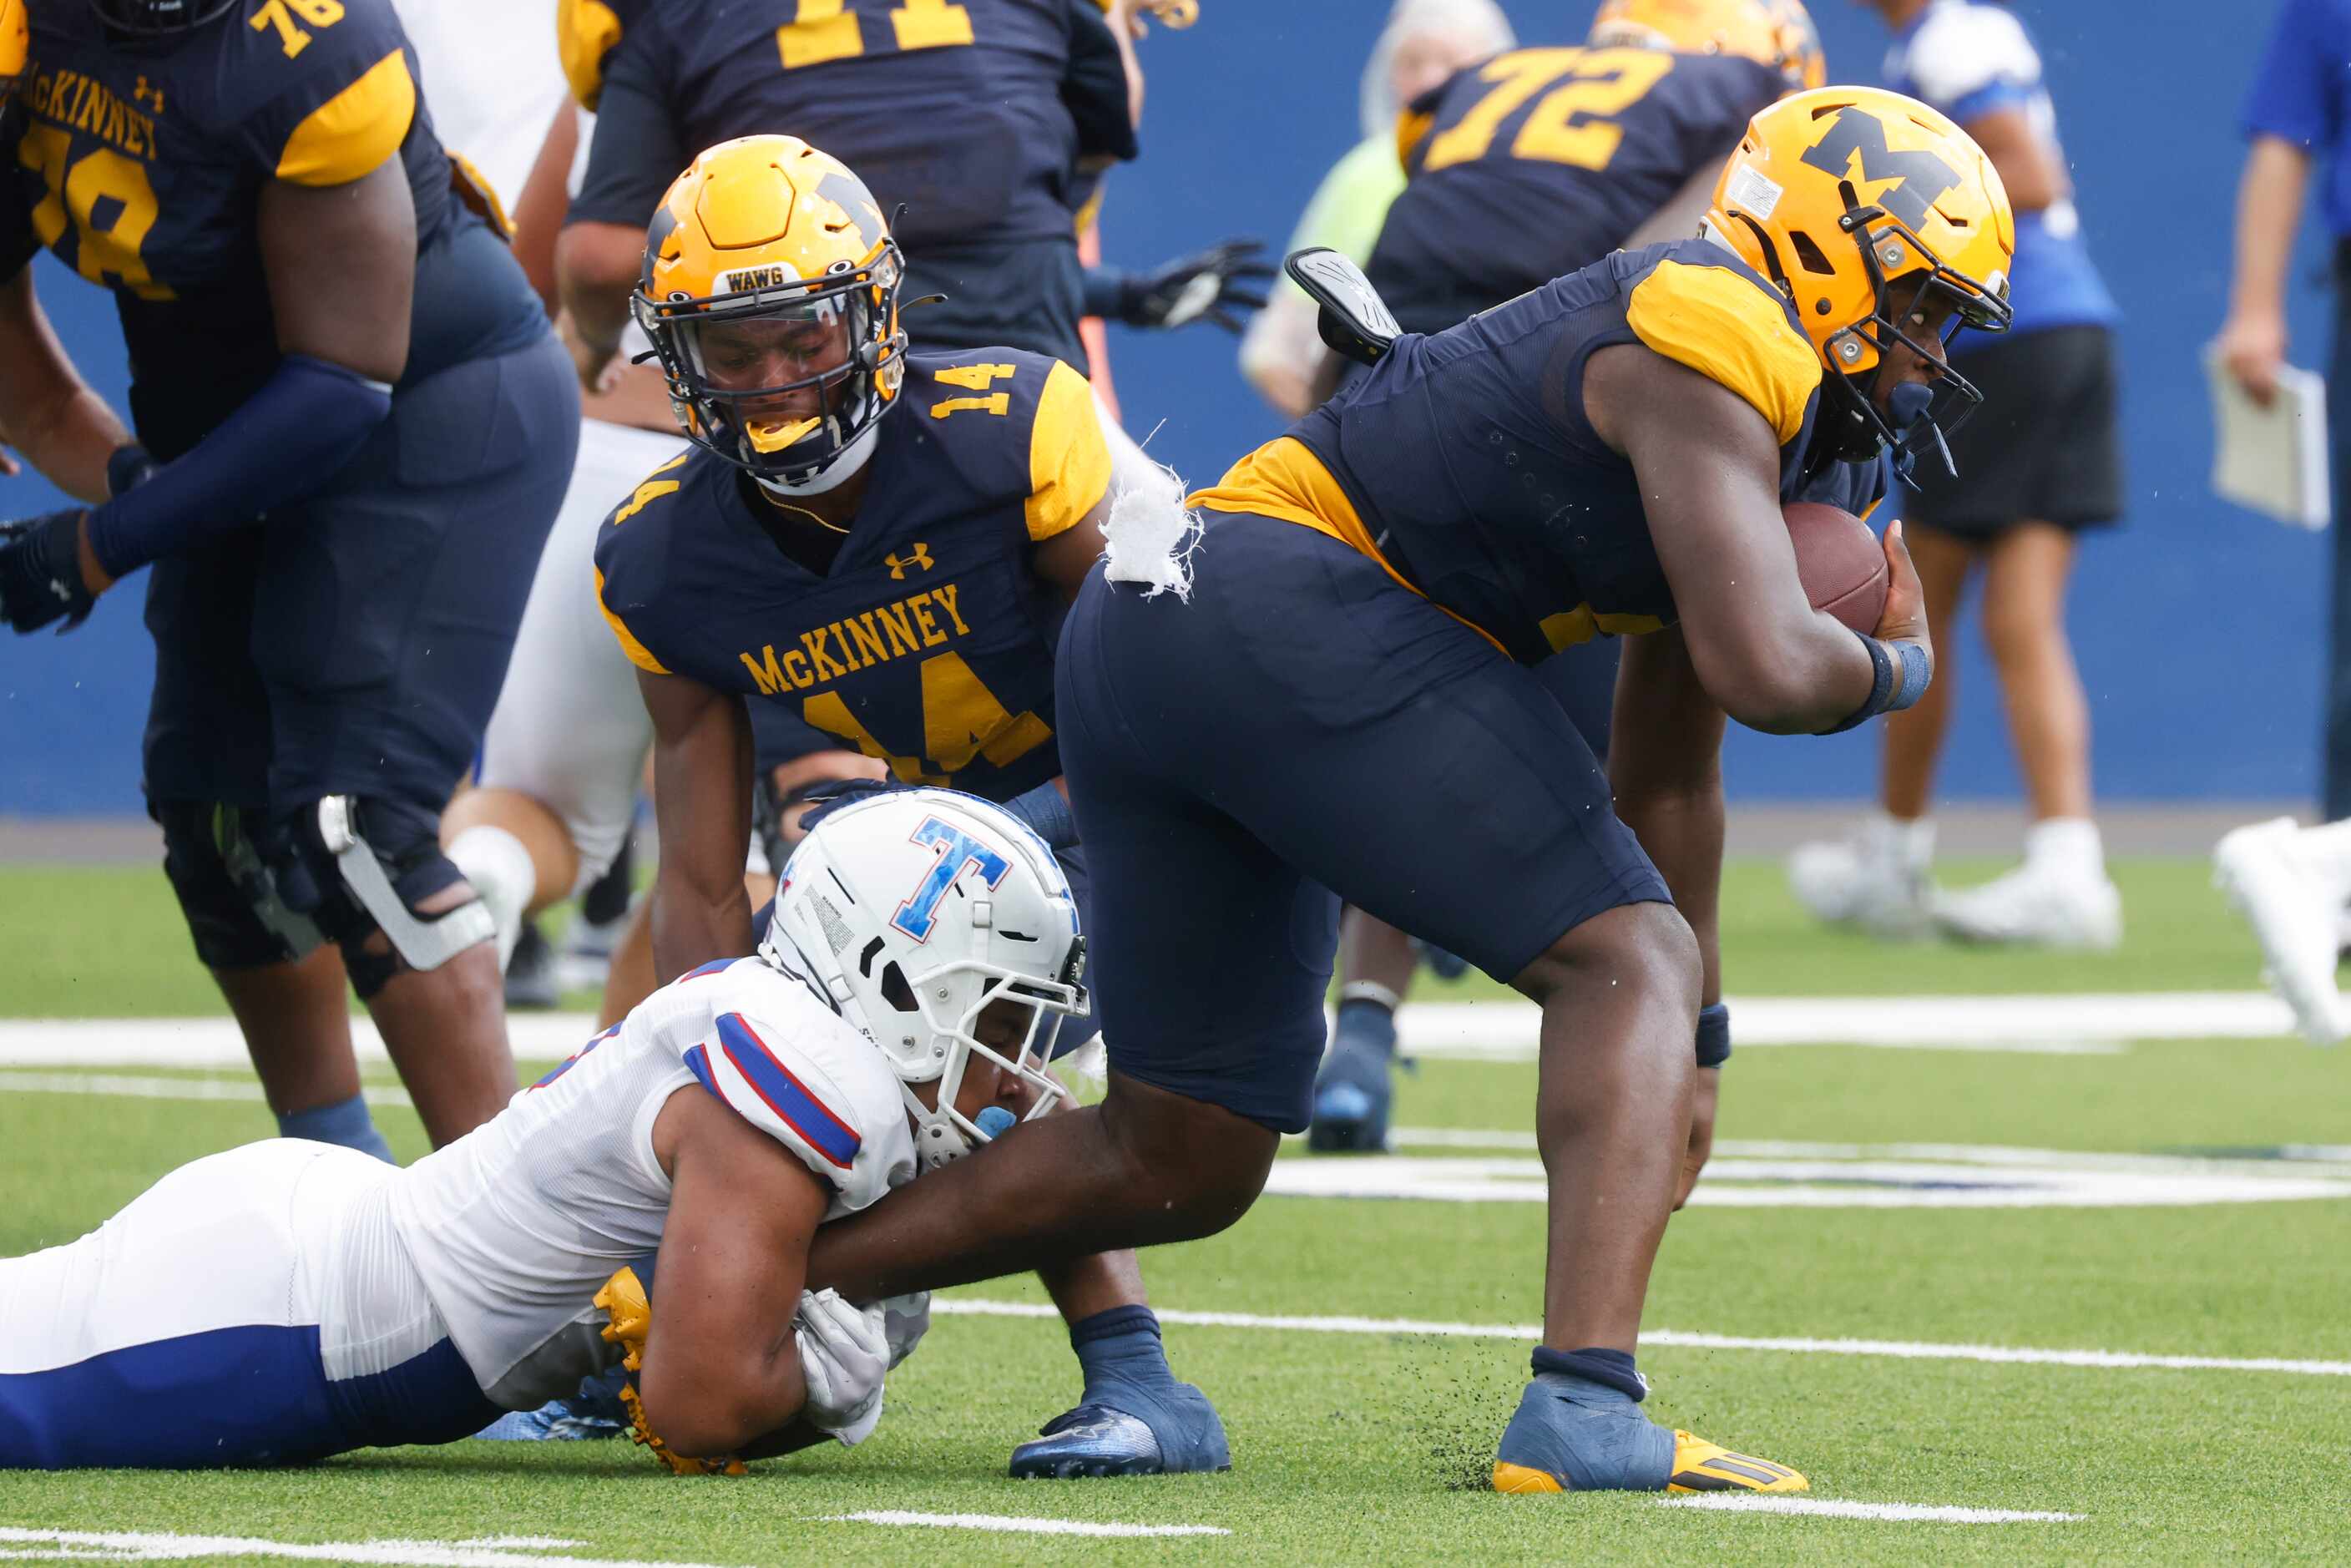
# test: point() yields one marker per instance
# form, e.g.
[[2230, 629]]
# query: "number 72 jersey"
[[929, 642], [1540, 161]]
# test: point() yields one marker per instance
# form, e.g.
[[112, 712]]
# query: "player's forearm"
[[596, 267], [1803, 678], [69, 443], [2268, 211], [693, 925], [706, 1410]]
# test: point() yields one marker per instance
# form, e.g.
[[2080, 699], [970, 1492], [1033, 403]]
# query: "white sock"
[[2069, 846], [1909, 844], [502, 873]]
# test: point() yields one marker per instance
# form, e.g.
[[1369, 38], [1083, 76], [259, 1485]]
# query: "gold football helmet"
[[1881, 220], [15, 45], [770, 294], [1778, 33]]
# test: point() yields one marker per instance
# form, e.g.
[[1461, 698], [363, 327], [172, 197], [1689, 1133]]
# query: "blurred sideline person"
[[1423, 42], [866, 542], [557, 779], [288, 1301], [1362, 599], [2042, 464], [2297, 114], [1495, 205], [353, 425]]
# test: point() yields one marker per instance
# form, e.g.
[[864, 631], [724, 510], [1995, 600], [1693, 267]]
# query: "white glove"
[[844, 1351], [906, 1319]]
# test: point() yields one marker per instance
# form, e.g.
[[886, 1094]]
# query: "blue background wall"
[[2200, 629]]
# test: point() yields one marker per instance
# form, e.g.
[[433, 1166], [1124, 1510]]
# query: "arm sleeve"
[[1094, 87], [2294, 95], [1068, 461], [637, 147]]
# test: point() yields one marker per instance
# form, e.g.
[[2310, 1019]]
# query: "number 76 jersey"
[[929, 642], [1540, 161]]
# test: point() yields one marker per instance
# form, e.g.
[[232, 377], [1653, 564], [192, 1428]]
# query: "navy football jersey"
[[973, 114], [929, 642], [1463, 462], [1541, 162], [141, 162]]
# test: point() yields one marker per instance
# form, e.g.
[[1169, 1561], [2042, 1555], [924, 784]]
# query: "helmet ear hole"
[[1809, 252], [895, 988]]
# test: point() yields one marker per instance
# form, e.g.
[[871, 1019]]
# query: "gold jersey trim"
[[585, 32], [1068, 461], [1284, 479], [353, 132], [1717, 321], [639, 655]]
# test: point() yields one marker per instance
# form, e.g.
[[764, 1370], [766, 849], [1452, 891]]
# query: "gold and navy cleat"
[[1701, 1466]]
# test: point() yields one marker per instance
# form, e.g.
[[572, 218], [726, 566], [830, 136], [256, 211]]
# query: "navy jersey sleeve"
[[1094, 88], [632, 559], [639, 148], [335, 100], [18, 240]]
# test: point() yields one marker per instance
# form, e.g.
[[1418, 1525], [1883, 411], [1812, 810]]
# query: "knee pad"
[[360, 866], [226, 889]]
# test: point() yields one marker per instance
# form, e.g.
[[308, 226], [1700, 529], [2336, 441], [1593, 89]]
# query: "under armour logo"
[[143, 93], [919, 558]]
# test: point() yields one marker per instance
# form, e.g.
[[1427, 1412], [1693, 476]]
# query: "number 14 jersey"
[[929, 641]]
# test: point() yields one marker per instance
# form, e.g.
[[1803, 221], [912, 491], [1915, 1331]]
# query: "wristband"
[[1900, 674], [1713, 1035]]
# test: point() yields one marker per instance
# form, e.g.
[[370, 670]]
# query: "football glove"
[[632, 1319], [844, 1352], [40, 572], [1210, 284], [905, 1320]]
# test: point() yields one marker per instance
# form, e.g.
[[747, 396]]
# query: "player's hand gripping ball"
[[1842, 564]]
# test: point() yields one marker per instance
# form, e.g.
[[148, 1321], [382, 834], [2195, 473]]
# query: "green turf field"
[[1829, 1219]]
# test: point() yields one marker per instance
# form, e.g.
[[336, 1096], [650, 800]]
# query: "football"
[[1841, 562]]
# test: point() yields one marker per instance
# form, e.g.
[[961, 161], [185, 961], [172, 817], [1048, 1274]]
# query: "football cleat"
[[2034, 906], [2297, 915], [1172, 1430], [1352, 1094], [595, 1411], [1701, 1466], [532, 982], [1856, 881]]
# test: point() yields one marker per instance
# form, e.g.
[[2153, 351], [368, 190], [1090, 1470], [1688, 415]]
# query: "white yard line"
[[160, 1546], [1830, 1508], [1500, 1030], [1906, 1350], [133, 1088], [1008, 1524]]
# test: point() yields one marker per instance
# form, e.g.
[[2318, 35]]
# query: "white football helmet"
[[912, 912]]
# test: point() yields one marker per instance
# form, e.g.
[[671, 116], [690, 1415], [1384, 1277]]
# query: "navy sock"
[[1367, 1022], [1122, 1343], [1610, 1368], [346, 1122]]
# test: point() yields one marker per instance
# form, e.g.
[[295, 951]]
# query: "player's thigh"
[[1583, 681], [570, 729], [388, 605], [1208, 957], [208, 723]]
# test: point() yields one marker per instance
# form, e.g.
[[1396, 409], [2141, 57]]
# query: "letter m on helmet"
[[1919, 176], [958, 850]]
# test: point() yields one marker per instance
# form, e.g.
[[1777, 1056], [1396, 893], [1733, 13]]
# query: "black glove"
[[1202, 285], [40, 572]]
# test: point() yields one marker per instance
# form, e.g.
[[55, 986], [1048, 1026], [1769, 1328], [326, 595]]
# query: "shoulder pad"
[[1701, 307]]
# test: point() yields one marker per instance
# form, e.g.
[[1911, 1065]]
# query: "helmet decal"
[[1919, 176], [959, 851]]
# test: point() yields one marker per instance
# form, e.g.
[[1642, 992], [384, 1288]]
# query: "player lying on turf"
[[1335, 705], [291, 1300]]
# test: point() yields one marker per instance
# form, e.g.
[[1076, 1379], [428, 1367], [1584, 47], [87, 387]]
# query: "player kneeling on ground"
[[291, 1300]]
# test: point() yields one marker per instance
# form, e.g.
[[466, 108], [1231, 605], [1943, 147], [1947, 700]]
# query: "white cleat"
[[2294, 915], [1847, 883], [2035, 907]]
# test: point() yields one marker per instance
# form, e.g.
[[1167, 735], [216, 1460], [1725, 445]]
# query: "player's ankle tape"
[[1713, 1035], [1111, 1323], [1596, 1363]]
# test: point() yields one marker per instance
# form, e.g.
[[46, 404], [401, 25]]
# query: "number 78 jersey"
[[1540, 161], [929, 642]]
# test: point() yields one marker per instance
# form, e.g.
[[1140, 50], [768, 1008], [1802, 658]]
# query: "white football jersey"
[[516, 1225]]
